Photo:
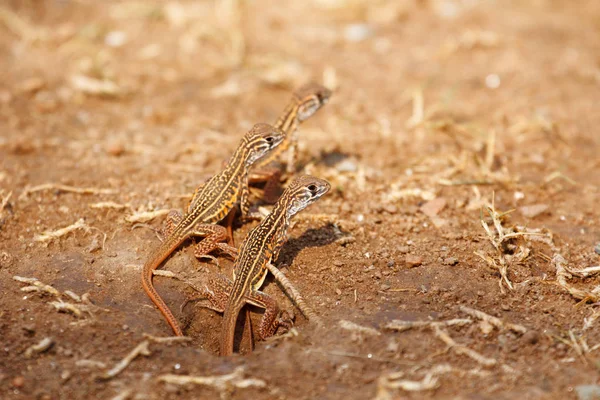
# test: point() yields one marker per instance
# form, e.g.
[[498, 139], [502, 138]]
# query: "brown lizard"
[[306, 101], [262, 244], [209, 205]]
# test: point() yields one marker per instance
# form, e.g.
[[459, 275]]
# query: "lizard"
[[209, 205], [262, 244], [306, 101]]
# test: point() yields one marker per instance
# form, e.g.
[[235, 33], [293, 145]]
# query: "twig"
[[460, 349], [4, 202], [219, 382], [401, 326], [497, 322], [146, 216], [563, 274], [65, 188], [40, 347], [168, 339], [140, 349], [294, 295], [36, 286], [351, 326], [390, 381], [110, 204], [47, 236]]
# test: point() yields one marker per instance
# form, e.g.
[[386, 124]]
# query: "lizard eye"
[[269, 139], [312, 188]]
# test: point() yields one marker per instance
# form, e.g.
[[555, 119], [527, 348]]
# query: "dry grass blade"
[[48, 236], [20, 27], [507, 252], [4, 201], [145, 216], [65, 188], [36, 286], [392, 381], [110, 204], [140, 349], [222, 383], [563, 275], [40, 347], [460, 349], [351, 326], [401, 326], [497, 322]]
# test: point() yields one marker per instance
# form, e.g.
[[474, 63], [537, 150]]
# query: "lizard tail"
[[149, 267], [228, 331]]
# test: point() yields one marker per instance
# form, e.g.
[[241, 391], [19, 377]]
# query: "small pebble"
[[357, 32], [433, 207], [413, 261], [505, 307], [347, 165], [390, 209], [338, 263], [450, 261], [385, 287], [534, 210], [18, 381], [597, 248], [403, 249], [531, 337], [391, 263]]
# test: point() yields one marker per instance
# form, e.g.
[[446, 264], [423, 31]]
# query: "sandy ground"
[[446, 115]]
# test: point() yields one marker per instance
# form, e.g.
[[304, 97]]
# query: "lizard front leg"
[[174, 217]]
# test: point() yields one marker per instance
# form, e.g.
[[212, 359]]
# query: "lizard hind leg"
[[273, 318], [213, 238]]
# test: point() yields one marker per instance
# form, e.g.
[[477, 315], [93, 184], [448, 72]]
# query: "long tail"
[[150, 265], [228, 331]]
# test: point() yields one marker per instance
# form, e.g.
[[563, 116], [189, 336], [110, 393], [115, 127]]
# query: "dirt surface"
[[441, 110]]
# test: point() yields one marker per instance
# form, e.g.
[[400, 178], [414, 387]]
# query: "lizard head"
[[310, 98], [261, 139], [303, 191]]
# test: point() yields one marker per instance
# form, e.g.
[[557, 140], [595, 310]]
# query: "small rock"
[[18, 381], [115, 38], [115, 149], [391, 263], [597, 248], [347, 165], [403, 249], [588, 392], [338, 292], [534, 210], [505, 307], [531, 337], [433, 207], [385, 287], [357, 32], [413, 261], [390, 209], [338, 263], [450, 261], [32, 85]]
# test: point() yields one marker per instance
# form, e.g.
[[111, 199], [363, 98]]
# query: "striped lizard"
[[306, 101], [262, 244], [209, 205]]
